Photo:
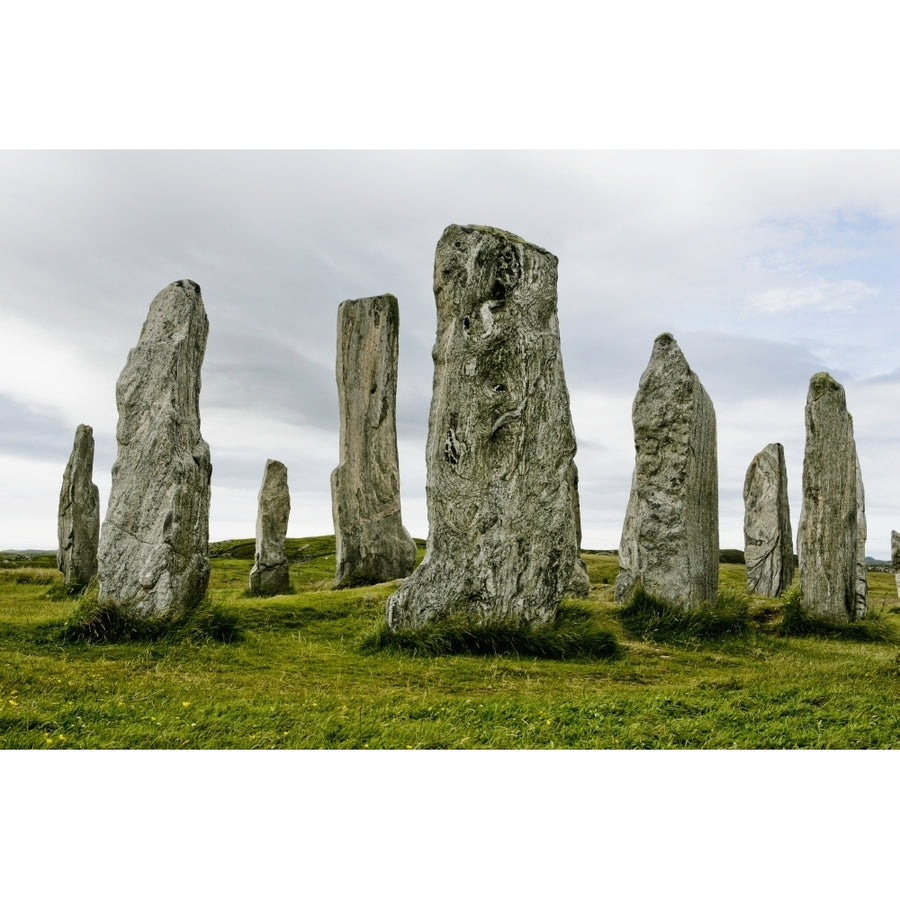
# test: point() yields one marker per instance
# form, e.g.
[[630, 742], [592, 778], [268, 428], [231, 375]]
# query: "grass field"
[[300, 673]]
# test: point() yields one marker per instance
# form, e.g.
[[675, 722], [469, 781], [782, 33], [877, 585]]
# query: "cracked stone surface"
[[670, 538], [154, 545], [768, 541], [501, 542], [371, 544], [78, 523], [828, 539], [269, 574]]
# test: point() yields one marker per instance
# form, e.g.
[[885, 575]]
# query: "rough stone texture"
[[154, 546], [895, 557], [580, 582], [78, 524], [501, 542], [828, 536], [670, 539], [768, 543], [371, 543], [862, 583], [269, 574]]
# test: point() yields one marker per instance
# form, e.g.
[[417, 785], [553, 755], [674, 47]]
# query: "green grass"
[[301, 671]]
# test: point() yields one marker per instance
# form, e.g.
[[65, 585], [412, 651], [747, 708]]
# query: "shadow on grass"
[[651, 619], [796, 622], [573, 636]]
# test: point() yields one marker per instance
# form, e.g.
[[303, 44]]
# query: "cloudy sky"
[[766, 266]]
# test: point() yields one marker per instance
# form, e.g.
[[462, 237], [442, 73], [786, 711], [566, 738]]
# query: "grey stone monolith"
[[895, 557], [768, 542], [154, 545], [269, 574], [501, 541], [862, 583], [580, 582], [78, 523], [371, 544], [670, 538], [828, 536]]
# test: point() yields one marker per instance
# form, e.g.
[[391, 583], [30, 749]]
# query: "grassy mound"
[[796, 622], [574, 635], [651, 619]]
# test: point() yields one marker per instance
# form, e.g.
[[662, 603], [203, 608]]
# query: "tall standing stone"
[[670, 539], [371, 543], [78, 524], [895, 557], [269, 574], [768, 543], [580, 582], [154, 546], [862, 583], [828, 536], [501, 542]]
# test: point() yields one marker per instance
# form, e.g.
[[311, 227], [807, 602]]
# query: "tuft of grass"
[[93, 621], [574, 635], [797, 622], [651, 619]]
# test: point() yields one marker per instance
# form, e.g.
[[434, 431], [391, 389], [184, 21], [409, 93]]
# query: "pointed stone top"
[[822, 383], [667, 352], [494, 232], [171, 312]]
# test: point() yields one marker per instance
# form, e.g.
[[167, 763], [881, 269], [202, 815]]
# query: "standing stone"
[[154, 547], [862, 583], [828, 536], [501, 542], [78, 524], [371, 543], [670, 539], [895, 557], [580, 582], [768, 543], [269, 574]]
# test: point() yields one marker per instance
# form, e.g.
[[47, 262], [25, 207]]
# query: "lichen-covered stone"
[[862, 583], [78, 523], [502, 542], [269, 574], [371, 543], [895, 557], [580, 582], [768, 543], [828, 536], [670, 538], [154, 545]]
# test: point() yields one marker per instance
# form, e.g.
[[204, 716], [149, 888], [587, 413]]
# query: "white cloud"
[[814, 294]]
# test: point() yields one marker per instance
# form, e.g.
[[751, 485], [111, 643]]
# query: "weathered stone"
[[768, 543], [862, 583], [154, 546], [78, 524], [269, 574], [371, 543], [501, 542], [670, 538], [828, 536], [895, 557], [580, 582]]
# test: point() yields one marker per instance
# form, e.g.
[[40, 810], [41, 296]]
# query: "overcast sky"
[[766, 266]]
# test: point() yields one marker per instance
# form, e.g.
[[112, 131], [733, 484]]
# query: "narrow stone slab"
[[502, 541], [372, 545], [670, 538], [828, 536], [768, 542], [78, 523], [580, 582], [154, 545], [269, 574], [895, 557], [862, 582]]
